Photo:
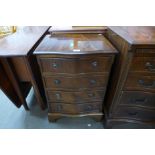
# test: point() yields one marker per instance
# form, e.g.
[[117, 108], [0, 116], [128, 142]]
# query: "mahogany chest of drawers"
[[132, 86], [75, 71]]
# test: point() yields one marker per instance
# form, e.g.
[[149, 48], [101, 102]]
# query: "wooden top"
[[137, 35], [74, 44], [21, 42], [77, 29]]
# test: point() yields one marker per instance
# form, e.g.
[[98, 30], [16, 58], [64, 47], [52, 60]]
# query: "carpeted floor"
[[14, 118]]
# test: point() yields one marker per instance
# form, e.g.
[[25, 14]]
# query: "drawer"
[[138, 99], [145, 52], [76, 82], [135, 113], [143, 64], [75, 108], [140, 82], [76, 65], [75, 97]]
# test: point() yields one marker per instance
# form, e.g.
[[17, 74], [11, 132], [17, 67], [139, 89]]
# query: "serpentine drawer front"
[[75, 109], [138, 98], [140, 82], [135, 113], [75, 82], [75, 65], [75, 97], [75, 71]]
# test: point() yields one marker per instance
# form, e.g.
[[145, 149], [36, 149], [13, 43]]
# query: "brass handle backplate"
[[57, 82], [147, 85], [150, 67], [94, 64]]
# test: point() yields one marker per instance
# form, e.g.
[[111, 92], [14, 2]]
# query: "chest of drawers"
[[75, 71], [132, 97]]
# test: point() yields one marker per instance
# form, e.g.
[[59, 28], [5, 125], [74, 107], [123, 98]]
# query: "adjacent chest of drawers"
[[75, 71], [132, 88]]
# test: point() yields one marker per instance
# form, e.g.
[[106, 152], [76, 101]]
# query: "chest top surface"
[[22, 41], [137, 35], [77, 29], [74, 44]]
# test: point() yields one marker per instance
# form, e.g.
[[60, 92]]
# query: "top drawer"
[[143, 64], [76, 65], [143, 61]]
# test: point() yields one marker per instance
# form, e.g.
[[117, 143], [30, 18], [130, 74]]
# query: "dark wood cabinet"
[[75, 71], [131, 91]]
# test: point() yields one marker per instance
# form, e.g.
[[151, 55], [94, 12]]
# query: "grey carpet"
[[14, 118]]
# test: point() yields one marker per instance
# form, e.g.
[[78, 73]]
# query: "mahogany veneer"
[[75, 71]]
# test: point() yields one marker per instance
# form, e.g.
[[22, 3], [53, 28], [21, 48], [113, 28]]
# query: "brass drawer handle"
[[91, 94], [150, 67], [133, 113], [89, 108], [93, 82], [55, 65], [94, 64], [57, 82], [142, 100], [58, 96], [147, 85]]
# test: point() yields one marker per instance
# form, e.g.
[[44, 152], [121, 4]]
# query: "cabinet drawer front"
[[143, 64], [77, 82], [76, 65], [75, 109], [75, 97], [138, 98], [135, 113], [145, 52], [140, 82]]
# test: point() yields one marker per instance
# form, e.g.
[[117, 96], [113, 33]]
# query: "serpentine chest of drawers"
[[75, 71], [132, 86]]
